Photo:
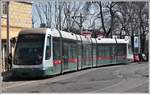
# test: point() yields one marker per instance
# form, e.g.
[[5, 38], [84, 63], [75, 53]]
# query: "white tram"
[[43, 52]]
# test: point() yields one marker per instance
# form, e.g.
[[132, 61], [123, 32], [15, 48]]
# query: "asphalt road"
[[121, 78]]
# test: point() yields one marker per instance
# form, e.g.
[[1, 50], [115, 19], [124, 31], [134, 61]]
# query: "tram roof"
[[68, 35], [33, 31], [110, 41]]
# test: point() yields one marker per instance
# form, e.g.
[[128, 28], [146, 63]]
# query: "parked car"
[[136, 58], [140, 57], [143, 57]]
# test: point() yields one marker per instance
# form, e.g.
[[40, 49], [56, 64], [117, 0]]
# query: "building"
[[20, 17]]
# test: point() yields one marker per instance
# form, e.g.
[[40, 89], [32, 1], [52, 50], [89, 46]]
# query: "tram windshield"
[[29, 49]]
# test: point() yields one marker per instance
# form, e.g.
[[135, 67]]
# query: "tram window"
[[56, 50], [66, 50], [79, 50], [29, 50], [73, 48], [48, 48], [121, 50]]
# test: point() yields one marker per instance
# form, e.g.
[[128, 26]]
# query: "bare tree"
[[142, 12], [134, 19], [107, 30], [72, 17], [44, 13], [110, 17], [39, 12], [67, 13]]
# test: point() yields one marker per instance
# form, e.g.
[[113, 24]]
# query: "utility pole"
[[0, 45], [68, 20], [79, 23], [8, 27], [59, 15]]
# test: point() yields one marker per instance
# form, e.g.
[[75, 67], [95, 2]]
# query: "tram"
[[44, 52]]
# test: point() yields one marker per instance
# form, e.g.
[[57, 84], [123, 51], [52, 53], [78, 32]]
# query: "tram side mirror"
[[13, 41]]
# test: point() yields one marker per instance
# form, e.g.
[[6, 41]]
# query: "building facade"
[[20, 16]]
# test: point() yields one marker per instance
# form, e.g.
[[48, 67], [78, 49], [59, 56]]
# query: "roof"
[[110, 41], [26, 1], [69, 35], [33, 31]]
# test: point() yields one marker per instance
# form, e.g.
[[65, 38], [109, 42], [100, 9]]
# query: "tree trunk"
[[102, 18]]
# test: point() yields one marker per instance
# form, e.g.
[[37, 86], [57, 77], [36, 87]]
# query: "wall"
[[20, 17]]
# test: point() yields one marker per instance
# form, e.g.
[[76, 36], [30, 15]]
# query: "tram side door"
[[114, 53], [66, 56]]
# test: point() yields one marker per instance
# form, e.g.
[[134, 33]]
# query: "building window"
[[5, 8]]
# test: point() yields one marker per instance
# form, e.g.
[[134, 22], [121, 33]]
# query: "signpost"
[[137, 44]]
